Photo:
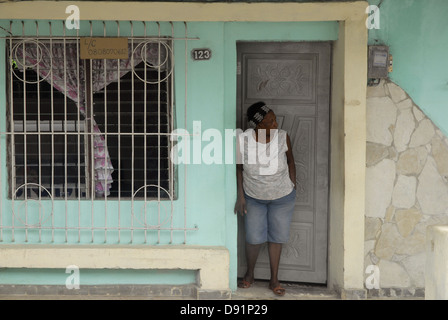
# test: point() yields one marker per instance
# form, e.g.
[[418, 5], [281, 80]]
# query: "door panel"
[[294, 80]]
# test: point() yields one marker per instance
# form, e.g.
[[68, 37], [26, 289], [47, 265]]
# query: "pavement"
[[258, 291]]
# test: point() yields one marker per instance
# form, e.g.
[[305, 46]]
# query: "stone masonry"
[[406, 187]]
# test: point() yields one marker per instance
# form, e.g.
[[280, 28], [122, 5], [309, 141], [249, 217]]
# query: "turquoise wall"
[[211, 230], [211, 99], [416, 32]]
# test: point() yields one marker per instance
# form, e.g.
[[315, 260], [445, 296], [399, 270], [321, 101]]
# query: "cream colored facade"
[[348, 136], [436, 267]]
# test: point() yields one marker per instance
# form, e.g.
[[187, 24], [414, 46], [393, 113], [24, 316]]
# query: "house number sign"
[[201, 54]]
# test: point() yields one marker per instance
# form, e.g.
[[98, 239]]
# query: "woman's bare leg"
[[275, 251], [252, 251]]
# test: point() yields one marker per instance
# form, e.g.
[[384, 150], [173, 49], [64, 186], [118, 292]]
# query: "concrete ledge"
[[436, 269], [212, 263], [401, 293], [213, 294], [113, 291], [176, 292], [187, 11], [353, 294]]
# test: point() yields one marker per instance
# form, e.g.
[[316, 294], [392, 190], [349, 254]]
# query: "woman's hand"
[[240, 206]]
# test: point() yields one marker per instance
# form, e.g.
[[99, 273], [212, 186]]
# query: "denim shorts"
[[269, 220]]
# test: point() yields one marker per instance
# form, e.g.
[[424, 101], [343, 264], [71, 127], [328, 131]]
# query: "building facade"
[[75, 140]]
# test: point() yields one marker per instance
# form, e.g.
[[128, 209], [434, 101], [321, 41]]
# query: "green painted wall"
[[211, 99], [205, 213], [416, 32], [96, 276]]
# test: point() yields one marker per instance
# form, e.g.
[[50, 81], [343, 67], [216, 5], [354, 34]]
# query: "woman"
[[266, 186]]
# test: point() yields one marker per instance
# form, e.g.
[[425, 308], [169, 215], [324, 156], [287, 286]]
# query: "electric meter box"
[[379, 62]]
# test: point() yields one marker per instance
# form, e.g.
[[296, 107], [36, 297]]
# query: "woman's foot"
[[277, 289], [246, 282]]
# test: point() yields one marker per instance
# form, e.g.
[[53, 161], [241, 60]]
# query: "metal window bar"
[[18, 226]]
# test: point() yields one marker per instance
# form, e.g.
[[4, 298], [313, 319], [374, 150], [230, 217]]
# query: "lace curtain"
[[59, 65]]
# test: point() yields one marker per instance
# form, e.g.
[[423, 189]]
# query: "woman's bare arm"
[[290, 161]]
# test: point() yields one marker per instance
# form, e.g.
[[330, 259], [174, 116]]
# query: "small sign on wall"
[[104, 48], [201, 54]]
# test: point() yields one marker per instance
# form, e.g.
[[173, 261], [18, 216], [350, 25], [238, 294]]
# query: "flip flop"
[[245, 284], [278, 290]]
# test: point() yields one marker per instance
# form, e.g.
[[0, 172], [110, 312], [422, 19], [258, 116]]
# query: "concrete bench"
[[211, 263]]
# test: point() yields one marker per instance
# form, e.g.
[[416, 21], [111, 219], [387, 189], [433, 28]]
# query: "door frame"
[[316, 274], [348, 148]]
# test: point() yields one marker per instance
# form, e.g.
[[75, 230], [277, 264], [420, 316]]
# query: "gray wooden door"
[[294, 80]]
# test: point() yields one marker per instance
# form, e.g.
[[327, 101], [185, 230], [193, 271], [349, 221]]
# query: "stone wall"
[[406, 187]]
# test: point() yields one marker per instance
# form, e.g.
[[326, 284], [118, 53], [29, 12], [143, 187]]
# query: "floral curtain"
[[59, 64]]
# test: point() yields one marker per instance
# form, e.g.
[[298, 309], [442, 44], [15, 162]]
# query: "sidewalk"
[[258, 291]]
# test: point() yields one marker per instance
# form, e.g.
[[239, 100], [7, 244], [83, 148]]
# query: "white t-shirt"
[[265, 167]]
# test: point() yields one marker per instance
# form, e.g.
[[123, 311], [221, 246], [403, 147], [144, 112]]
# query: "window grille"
[[45, 141], [97, 130]]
